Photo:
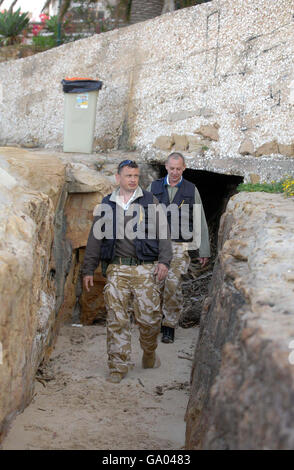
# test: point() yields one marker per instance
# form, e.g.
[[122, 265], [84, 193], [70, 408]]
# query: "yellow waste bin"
[[80, 99]]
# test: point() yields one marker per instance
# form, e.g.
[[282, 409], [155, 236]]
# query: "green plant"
[[286, 186], [12, 25], [49, 26], [52, 24], [273, 187], [44, 42]]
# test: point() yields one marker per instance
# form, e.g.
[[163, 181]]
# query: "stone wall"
[[243, 374], [215, 80], [30, 190]]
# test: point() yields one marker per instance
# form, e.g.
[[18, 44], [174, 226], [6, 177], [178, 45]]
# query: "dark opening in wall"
[[215, 191]]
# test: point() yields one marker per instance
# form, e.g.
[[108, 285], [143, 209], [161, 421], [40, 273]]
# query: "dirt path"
[[75, 408]]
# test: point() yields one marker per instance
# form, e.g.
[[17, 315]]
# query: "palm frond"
[[47, 4]]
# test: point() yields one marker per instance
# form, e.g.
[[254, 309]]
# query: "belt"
[[129, 261]]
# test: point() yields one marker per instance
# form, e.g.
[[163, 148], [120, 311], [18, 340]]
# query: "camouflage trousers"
[[171, 294], [127, 284]]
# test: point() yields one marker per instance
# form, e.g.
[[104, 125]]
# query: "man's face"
[[175, 168], [128, 178]]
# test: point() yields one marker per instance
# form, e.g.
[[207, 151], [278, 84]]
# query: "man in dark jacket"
[[136, 265], [174, 190]]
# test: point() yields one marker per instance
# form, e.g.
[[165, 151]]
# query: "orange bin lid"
[[78, 78]]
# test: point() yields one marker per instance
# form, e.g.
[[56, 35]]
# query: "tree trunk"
[[142, 10]]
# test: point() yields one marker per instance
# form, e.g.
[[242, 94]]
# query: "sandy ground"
[[75, 408]]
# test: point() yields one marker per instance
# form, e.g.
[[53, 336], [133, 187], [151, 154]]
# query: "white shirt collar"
[[115, 196]]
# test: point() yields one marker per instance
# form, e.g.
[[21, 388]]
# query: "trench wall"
[[243, 374]]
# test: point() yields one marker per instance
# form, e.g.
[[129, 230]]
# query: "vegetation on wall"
[[285, 186]]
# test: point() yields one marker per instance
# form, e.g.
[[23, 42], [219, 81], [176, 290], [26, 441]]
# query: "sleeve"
[[165, 246], [204, 248], [92, 253]]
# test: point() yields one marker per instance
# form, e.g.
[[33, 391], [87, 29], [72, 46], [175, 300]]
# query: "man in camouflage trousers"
[[173, 189], [136, 266]]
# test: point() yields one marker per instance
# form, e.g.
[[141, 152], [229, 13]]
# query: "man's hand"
[[87, 280], [203, 261], [160, 271]]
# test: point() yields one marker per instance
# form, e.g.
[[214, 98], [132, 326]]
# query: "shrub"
[[273, 187], [44, 42], [12, 25], [285, 186], [52, 24], [288, 186]]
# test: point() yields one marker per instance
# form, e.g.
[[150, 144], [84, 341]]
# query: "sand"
[[75, 408]]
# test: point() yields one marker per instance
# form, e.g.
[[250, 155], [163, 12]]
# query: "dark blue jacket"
[[146, 249], [184, 195]]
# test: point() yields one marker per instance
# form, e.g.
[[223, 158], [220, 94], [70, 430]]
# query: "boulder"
[[42, 172], [164, 142], [268, 148], [181, 142], [247, 147], [82, 179], [208, 131], [286, 150], [195, 144], [79, 216]]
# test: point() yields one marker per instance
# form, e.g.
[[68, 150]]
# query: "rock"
[[254, 178], [164, 142], [181, 115], [195, 144], [43, 173], [208, 132], [79, 216], [242, 379], [286, 150], [268, 148], [246, 148], [181, 142], [31, 144], [27, 279], [85, 180]]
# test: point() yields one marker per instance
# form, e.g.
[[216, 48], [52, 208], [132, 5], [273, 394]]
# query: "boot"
[[150, 361], [168, 334]]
